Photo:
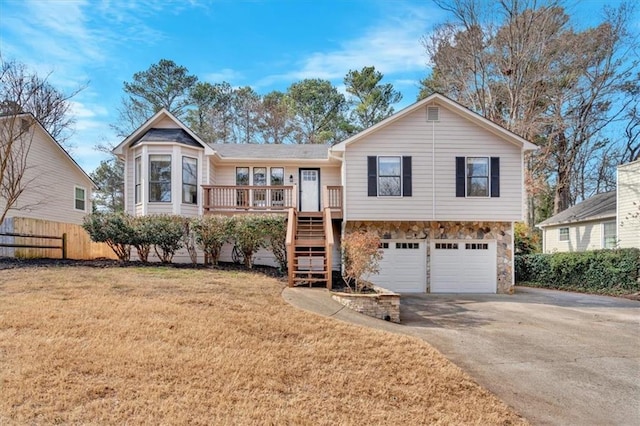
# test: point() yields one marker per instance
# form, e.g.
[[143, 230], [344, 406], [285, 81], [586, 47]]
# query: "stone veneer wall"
[[502, 232], [384, 304]]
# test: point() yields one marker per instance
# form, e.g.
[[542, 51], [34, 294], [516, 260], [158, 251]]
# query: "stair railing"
[[291, 242], [328, 245]]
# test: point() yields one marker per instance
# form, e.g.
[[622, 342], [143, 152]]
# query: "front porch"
[[310, 235], [233, 199]]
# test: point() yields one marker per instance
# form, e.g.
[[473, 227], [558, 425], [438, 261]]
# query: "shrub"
[[114, 229], [142, 236], [166, 235], [276, 230], [249, 235], [526, 240], [598, 271], [361, 256], [211, 232], [189, 239]]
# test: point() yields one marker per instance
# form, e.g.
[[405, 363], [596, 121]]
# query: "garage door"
[[403, 267], [463, 266]]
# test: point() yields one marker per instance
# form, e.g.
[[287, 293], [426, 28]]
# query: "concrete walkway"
[[558, 358]]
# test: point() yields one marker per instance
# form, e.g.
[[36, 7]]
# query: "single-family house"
[[441, 185], [55, 186], [603, 221]]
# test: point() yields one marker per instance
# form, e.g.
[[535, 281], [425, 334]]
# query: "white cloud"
[[226, 74], [392, 47]]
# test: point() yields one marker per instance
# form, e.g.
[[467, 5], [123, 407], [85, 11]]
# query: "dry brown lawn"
[[83, 345]]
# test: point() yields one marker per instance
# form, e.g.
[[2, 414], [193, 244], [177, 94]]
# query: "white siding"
[[52, 178], [582, 236], [452, 136], [628, 194]]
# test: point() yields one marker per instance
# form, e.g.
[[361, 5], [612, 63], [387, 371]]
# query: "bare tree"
[[531, 72], [25, 100]]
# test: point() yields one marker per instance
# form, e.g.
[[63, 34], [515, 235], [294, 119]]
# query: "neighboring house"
[[628, 183], [440, 185], [604, 221], [57, 189]]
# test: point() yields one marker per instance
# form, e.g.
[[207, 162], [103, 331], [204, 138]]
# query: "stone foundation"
[[501, 232], [384, 304]]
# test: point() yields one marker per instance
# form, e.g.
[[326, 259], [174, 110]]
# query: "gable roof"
[[447, 103], [269, 151], [51, 139], [600, 206], [148, 125], [168, 135]]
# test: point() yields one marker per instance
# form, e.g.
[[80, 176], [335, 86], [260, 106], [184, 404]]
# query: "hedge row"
[[599, 271], [167, 234]]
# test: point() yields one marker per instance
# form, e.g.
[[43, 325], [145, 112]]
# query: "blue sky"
[[266, 44]]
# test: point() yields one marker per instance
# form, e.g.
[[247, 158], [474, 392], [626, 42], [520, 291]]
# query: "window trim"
[[84, 198], [568, 236], [160, 182], [248, 175], [615, 234], [195, 185], [466, 176], [137, 180], [271, 176], [378, 176], [462, 176]]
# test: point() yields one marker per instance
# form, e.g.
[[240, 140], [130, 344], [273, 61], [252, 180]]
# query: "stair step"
[[311, 242]]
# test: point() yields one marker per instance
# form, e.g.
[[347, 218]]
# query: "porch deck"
[[234, 199]]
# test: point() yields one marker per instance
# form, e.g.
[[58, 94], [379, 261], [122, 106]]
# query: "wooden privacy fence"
[[35, 238]]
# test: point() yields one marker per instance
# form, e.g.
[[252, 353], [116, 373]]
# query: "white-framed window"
[[138, 180], [390, 176], [189, 180], [80, 198], [446, 246], [160, 178], [477, 176], [242, 176], [563, 234], [609, 237], [276, 178]]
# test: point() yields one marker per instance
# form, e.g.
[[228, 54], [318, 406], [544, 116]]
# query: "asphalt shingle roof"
[[168, 135], [599, 206], [261, 151]]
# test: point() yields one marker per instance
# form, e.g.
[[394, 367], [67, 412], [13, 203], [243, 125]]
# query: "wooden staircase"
[[311, 258]]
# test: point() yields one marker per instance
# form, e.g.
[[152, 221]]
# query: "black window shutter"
[[406, 176], [495, 176], [460, 176], [372, 175]]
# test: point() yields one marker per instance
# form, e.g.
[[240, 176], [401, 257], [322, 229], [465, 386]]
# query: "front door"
[[310, 190]]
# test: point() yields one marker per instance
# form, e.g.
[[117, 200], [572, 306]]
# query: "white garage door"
[[463, 266], [403, 267]]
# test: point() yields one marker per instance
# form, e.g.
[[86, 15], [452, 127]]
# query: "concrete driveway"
[[557, 358]]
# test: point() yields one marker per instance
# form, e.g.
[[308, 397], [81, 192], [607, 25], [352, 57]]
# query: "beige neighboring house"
[[628, 205], [57, 189], [441, 185], [604, 221]]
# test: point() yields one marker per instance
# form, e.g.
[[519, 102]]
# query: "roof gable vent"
[[433, 113]]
